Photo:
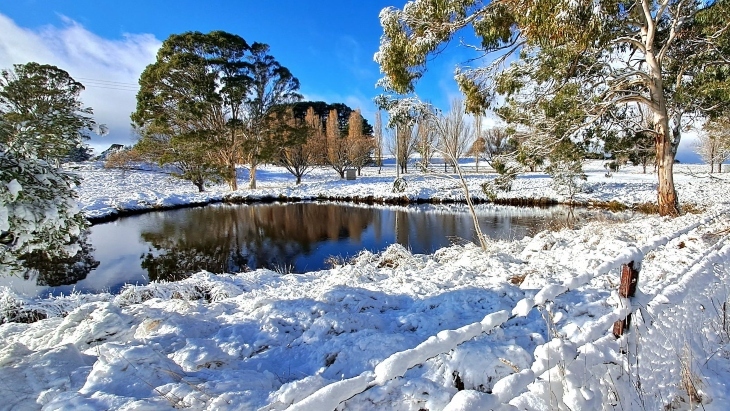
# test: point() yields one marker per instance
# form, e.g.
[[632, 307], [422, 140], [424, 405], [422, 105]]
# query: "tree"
[[301, 157], [614, 53], [403, 113], [189, 105], [45, 99], [426, 139], [322, 109], [41, 121], [713, 143], [359, 146], [566, 168], [453, 133], [272, 88], [210, 98], [492, 143], [378, 140], [630, 145], [188, 156], [79, 154], [403, 145], [336, 146]]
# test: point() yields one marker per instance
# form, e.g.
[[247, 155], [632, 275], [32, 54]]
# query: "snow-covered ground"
[[106, 192], [525, 325]]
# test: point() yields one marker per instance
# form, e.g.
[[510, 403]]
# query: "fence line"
[[396, 365]]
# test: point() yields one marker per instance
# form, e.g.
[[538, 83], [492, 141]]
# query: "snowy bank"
[[104, 194], [526, 325]]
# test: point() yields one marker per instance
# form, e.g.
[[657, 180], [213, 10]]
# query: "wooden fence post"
[[627, 289]]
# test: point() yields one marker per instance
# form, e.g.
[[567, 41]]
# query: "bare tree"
[[713, 143], [490, 144], [475, 147], [300, 157], [453, 133], [402, 145], [426, 141], [378, 140]]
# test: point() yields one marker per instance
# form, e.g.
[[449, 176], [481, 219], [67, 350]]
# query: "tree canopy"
[[41, 121], [322, 109], [210, 98], [588, 57], [45, 99]]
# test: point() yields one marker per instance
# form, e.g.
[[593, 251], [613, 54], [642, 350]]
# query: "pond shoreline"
[[368, 200]]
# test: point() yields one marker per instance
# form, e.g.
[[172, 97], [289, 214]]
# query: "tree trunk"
[[232, 180], [299, 179], [665, 149], [666, 193], [200, 185], [252, 177]]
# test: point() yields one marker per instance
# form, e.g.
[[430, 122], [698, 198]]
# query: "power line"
[[109, 88], [108, 84], [107, 81]]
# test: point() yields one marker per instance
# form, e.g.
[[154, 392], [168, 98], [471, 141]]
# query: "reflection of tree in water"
[[237, 238], [60, 271]]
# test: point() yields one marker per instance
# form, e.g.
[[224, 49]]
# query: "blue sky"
[[328, 45]]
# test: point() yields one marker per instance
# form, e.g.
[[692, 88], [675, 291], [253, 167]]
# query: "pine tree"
[[41, 121]]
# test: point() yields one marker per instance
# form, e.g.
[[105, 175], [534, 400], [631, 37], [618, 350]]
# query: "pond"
[[292, 237]]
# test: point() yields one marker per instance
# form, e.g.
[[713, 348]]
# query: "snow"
[[14, 188], [453, 330]]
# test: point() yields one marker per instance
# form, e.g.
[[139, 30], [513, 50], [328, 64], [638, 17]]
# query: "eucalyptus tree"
[[610, 53], [272, 88], [189, 106], [211, 99]]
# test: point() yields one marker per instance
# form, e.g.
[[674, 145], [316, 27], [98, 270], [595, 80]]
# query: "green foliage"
[[562, 64], [701, 61], [506, 175], [38, 210], [45, 99], [636, 147], [78, 154], [41, 120], [209, 102], [566, 168]]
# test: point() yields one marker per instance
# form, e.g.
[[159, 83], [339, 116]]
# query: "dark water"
[[297, 237]]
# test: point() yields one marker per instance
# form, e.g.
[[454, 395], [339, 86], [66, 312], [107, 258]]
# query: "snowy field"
[[525, 325], [106, 192]]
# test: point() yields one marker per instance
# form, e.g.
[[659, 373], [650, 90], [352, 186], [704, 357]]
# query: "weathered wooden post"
[[627, 289]]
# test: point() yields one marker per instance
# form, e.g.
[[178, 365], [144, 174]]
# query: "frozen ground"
[[106, 192], [523, 326]]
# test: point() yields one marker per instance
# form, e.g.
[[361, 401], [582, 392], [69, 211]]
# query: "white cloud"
[[108, 68]]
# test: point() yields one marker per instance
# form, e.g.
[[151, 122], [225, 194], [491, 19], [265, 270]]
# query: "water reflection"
[[61, 271], [237, 238], [297, 237]]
